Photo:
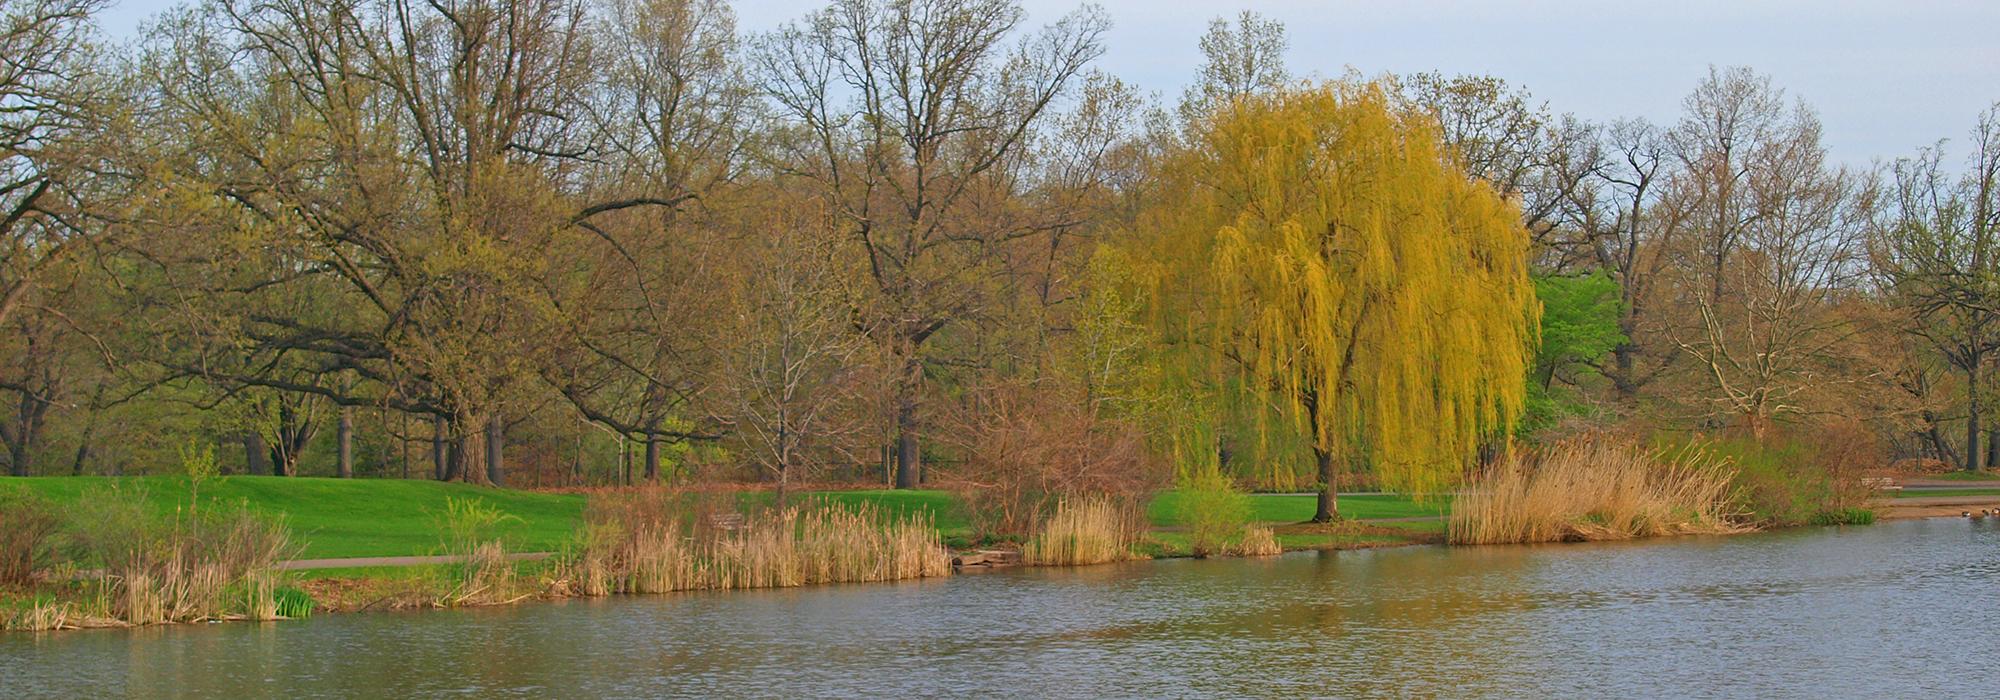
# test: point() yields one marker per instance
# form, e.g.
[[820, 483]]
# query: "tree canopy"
[[1322, 243]]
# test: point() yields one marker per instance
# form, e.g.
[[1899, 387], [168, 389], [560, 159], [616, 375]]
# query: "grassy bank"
[[679, 547], [332, 518], [341, 518]]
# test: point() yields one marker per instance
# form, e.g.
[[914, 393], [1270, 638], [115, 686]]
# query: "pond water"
[[1902, 609]]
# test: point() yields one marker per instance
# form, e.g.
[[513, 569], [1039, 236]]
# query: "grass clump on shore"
[[1083, 530], [656, 541], [113, 560], [1597, 489]]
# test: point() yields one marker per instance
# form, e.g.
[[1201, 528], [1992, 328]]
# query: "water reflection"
[[1897, 609]]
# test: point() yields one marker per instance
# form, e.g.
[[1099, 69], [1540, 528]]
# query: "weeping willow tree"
[[1329, 261]]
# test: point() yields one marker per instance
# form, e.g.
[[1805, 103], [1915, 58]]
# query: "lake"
[[1900, 609]]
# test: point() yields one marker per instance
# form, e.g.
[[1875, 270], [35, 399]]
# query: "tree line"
[[569, 242]]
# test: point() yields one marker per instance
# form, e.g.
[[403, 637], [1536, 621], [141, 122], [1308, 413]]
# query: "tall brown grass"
[[471, 534], [1083, 530], [181, 566], [1257, 542], [655, 541], [1597, 488]]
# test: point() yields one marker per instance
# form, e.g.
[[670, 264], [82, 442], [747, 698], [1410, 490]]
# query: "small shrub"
[[198, 462], [1215, 512], [1028, 447], [29, 524], [1089, 530], [1791, 479]]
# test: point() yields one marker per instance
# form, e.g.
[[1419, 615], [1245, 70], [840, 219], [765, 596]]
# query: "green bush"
[[1807, 476], [29, 524], [1214, 511]]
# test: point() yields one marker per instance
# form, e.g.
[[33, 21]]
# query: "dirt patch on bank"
[[1933, 506]]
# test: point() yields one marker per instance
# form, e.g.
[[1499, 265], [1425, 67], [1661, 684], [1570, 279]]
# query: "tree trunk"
[[454, 465], [1328, 508], [346, 438], [440, 456], [1992, 447], [17, 455], [1974, 457], [495, 440], [652, 457], [256, 457], [83, 443], [909, 461]]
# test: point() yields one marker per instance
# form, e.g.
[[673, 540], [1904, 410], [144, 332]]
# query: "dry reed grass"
[[180, 567], [1257, 542], [1597, 489], [1084, 530], [657, 541]]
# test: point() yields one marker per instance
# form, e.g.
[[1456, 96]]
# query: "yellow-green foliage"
[[1216, 513], [1324, 244]]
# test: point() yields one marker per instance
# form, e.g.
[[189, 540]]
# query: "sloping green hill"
[[345, 517]]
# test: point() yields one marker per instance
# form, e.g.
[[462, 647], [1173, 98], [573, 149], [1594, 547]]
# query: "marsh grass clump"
[[1257, 542], [483, 572], [655, 541], [1598, 489], [182, 566], [1083, 530]]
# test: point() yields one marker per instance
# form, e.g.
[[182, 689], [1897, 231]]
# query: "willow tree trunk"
[[495, 442], [346, 438], [1328, 508]]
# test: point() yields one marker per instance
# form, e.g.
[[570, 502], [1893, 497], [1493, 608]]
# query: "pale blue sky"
[[1886, 77]]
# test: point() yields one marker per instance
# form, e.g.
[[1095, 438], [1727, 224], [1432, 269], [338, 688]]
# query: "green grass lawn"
[[942, 505], [1164, 511], [334, 518], [347, 517]]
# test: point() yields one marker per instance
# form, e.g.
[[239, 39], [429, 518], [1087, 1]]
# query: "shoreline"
[[1931, 506], [413, 586]]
